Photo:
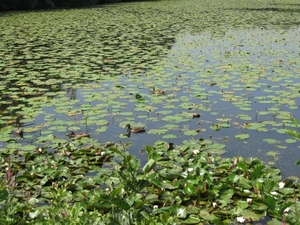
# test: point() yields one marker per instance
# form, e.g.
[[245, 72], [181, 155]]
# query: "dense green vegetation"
[[185, 185], [229, 71]]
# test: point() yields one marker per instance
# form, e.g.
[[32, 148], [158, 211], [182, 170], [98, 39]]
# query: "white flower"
[[281, 184], [155, 206], [240, 219], [249, 200], [214, 204], [196, 151], [274, 193], [107, 189], [180, 212], [190, 169], [102, 153], [287, 210]]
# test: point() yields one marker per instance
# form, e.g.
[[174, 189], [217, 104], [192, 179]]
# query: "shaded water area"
[[92, 70]]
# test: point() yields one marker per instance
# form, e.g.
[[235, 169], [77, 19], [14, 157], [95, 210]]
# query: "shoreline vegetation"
[[9, 5], [105, 184]]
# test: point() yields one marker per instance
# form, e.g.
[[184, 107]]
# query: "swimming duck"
[[159, 92], [71, 134], [196, 115], [135, 129], [19, 132]]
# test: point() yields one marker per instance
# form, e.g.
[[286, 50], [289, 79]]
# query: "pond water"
[[92, 70]]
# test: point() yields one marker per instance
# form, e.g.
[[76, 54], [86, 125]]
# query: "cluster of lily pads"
[[229, 74], [98, 61], [104, 184]]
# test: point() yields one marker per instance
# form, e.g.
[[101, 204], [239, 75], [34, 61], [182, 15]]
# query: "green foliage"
[[180, 186], [293, 133], [70, 183], [6, 5]]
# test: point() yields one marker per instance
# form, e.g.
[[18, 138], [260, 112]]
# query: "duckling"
[[196, 115], [71, 134], [159, 92], [135, 129], [19, 132]]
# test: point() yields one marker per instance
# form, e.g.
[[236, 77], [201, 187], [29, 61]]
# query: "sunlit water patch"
[[254, 84]]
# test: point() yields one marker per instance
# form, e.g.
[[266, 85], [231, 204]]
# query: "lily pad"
[[169, 136], [242, 136], [271, 141]]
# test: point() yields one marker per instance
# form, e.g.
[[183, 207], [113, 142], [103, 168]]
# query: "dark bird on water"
[[135, 129]]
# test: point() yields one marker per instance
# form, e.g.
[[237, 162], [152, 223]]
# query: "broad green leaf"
[[207, 216], [242, 136], [121, 204], [149, 166], [3, 195], [271, 141]]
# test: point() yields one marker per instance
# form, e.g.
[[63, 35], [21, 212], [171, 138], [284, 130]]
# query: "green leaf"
[[151, 198], [284, 206], [242, 136], [142, 184], [116, 191], [287, 191], [189, 190], [244, 183], [242, 204], [169, 136], [227, 195], [257, 171], [268, 185], [3, 194], [207, 216], [271, 141], [272, 153], [244, 117], [121, 204], [270, 202], [149, 166], [117, 151], [192, 220], [243, 166], [232, 178], [224, 125], [157, 183], [290, 141], [252, 215], [190, 133]]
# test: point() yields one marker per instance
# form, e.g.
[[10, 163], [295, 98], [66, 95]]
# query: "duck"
[[19, 132], [196, 115], [170, 145], [71, 134], [159, 92], [128, 134], [135, 129]]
